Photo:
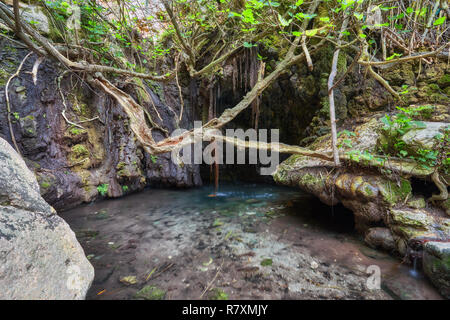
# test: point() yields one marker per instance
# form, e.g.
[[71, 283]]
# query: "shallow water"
[[247, 242]]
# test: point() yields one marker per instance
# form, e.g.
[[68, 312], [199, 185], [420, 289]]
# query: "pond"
[[249, 241]]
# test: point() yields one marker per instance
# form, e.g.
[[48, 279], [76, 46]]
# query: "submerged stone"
[[151, 293], [380, 238], [129, 280], [218, 294]]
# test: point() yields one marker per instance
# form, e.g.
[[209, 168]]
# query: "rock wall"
[[102, 157], [40, 258]]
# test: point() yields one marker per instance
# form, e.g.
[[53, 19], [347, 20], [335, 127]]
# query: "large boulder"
[[424, 138], [387, 210], [40, 257]]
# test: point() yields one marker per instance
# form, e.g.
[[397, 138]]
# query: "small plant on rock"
[[103, 189]]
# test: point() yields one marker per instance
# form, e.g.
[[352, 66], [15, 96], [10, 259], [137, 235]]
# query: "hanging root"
[[58, 82], [8, 103], [180, 93]]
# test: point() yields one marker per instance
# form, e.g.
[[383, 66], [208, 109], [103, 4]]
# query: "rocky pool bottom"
[[247, 242]]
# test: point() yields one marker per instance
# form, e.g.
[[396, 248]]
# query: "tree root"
[[58, 83], [442, 188], [8, 103]]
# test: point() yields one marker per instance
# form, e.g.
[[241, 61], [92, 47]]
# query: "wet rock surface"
[[74, 163], [436, 264], [248, 242], [40, 257], [378, 198]]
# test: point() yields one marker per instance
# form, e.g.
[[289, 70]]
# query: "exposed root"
[[36, 65], [8, 103], [212, 281], [58, 82], [383, 82], [177, 59], [441, 186]]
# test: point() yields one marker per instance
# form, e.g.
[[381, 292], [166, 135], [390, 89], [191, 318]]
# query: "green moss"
[[444, 81], [45, 185], [142, 95], [368, 191], [413, 219], [433, 87], [79, 150], [157, 89], [417, 203], [103, 189], [76, 131], [122, 170], [121, 165], [446, 206], [342, 63], [4, 76], [312, 180], [218, 294], [393, 192], [151, 293], [78, 153], [266, 262]]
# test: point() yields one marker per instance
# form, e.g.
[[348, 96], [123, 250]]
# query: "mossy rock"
[[28, 125], [444, 81], [446, 206], [4, 76], [151, 293], [74, 131], [411, 218], [123, 170], [79, 151], [78, 155], [417, 203], [436, 265], [393, 193]]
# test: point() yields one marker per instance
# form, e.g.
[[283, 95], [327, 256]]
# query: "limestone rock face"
[[73, 164], [35, 15], [436, 264], [424, 138], [386, 208], [40, 257]]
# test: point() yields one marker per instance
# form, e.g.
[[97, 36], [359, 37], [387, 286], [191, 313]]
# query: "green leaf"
[[440, 21], [358, 16], [393, 56], [311, 33], [283, 21]]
